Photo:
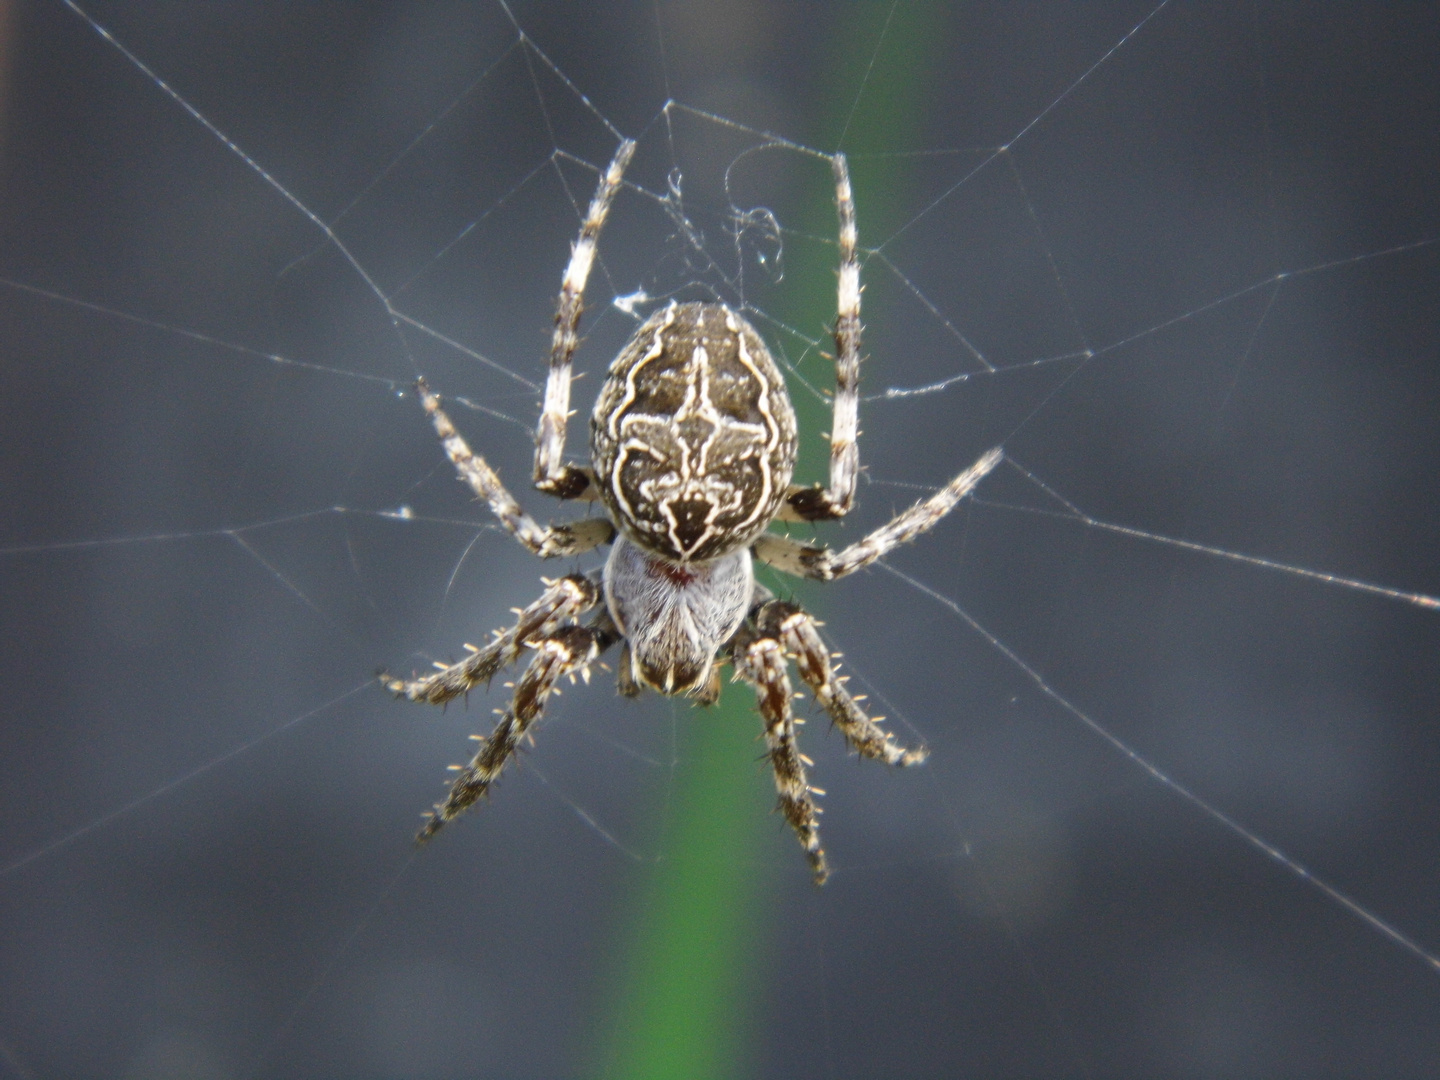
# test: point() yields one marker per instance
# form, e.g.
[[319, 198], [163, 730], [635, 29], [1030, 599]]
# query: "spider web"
[[1176, 663]]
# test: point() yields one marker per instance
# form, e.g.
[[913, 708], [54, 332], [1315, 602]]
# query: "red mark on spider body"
[[675, 573]]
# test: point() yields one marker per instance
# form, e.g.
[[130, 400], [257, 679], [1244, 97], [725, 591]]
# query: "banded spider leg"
[[781, 632]]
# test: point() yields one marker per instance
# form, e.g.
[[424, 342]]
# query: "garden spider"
[[692, 444]]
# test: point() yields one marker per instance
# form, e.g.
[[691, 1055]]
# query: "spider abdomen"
[[693, 435]]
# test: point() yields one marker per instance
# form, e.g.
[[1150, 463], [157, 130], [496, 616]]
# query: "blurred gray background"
[[1031, 903]]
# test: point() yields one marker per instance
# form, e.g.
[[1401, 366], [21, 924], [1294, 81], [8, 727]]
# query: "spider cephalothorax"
[[692, 446]]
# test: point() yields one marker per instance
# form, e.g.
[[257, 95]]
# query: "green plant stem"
[[685, 1010]]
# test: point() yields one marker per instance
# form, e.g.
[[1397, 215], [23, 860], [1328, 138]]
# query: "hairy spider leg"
[[759, 660], [798, 634], [560, 653], [552, 475], [835, 501], [563, 601], [822, 564], [548, 542]]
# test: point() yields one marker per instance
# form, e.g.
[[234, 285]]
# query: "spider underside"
[[693, 442]]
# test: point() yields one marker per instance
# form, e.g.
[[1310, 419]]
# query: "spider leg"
[[796, 631], [817, 503], [822, 564], [545, 541], [709, 694], [760, 661], [559, 653], [552, 475], [625, 674], [562, 602]]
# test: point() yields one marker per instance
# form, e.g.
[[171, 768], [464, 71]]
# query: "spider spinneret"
[[692, 446]]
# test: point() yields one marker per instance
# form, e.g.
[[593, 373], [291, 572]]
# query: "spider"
[[692, 444]]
